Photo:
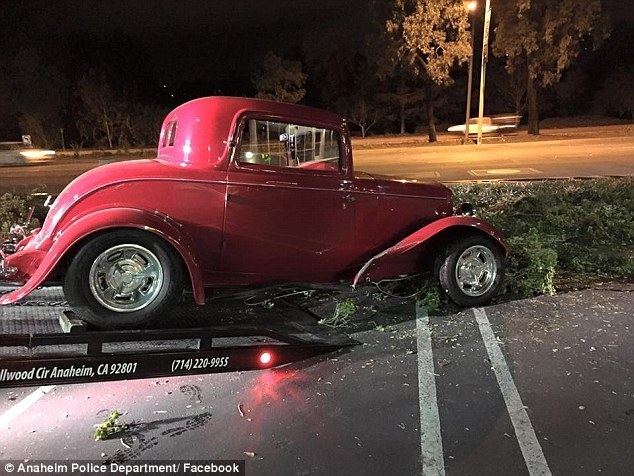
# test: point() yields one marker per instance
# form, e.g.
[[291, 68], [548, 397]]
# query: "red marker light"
[[265, 358]]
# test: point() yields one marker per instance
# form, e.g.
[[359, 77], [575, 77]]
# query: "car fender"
[[64, 239], [423, 235]]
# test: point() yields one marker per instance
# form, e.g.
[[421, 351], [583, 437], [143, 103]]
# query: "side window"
[[170, 134], [286, 145]]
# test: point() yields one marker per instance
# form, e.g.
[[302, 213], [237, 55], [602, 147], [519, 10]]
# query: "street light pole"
[[471, 6], [485, 57]]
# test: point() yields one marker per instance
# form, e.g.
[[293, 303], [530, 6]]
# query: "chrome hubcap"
[[126, 278], [476, 270]]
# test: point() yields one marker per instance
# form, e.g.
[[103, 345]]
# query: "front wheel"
[[471, 270], [123, 279]]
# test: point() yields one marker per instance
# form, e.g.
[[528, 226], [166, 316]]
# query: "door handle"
[[349, 198]]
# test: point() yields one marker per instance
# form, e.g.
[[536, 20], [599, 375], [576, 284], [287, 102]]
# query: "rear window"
[[170, 134]]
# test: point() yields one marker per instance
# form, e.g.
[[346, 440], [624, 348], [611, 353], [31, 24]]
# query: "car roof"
[[204, 126], [265, 106]]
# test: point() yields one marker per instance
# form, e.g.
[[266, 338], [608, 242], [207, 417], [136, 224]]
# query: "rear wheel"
[[123, 279], [471, 270]]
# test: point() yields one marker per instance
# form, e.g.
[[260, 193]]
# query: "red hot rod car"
[[245, 192]]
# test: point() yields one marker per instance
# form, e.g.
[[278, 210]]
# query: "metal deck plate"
[[40, 311], [31, 337]]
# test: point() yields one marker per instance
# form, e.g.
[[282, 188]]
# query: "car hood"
[[395, 185]]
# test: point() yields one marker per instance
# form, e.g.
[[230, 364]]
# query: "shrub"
[[531, 266], [13, 209], [585, 226], [431, 294]]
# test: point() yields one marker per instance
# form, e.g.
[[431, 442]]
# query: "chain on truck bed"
[[41, 303]]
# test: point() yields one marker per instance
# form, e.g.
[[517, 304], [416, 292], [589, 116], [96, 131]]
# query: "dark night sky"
[[220, 42], [196, 47], [191, 40]]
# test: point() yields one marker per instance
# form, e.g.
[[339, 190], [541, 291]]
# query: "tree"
[[360, 99], [615, 98], [101, 108], [404, 100], [508, 89], [114, 117], [32, 125], [280, 80], [33, 95], [430, 38], [572, 93], [350, 86], [399, 89], [145, 123], [544, 37], [362, 112]]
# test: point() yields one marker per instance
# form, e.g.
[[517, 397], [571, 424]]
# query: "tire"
[[471, 270], [124, 279]]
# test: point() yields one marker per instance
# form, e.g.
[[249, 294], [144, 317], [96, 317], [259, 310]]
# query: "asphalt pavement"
[[536, 386], [560, 157]]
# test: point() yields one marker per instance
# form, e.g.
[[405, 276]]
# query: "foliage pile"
[[569, 228], [109, 427], [13, 209], [344, 310], [430, 294]]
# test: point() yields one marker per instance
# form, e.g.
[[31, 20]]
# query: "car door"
[[289, 214]]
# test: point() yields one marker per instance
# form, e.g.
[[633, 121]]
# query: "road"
[[542, 383], [588, 157], [577, 157]]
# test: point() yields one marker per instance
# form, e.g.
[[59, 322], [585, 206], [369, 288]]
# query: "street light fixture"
[[471, 7]]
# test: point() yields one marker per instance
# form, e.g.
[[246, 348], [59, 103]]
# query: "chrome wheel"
[[126, 278], [476, 270]]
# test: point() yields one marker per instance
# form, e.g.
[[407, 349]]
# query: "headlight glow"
[[36, 153]]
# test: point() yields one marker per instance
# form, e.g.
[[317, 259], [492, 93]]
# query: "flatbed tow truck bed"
[[42, 343]]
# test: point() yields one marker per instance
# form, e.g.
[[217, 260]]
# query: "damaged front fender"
[[394, 257]]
